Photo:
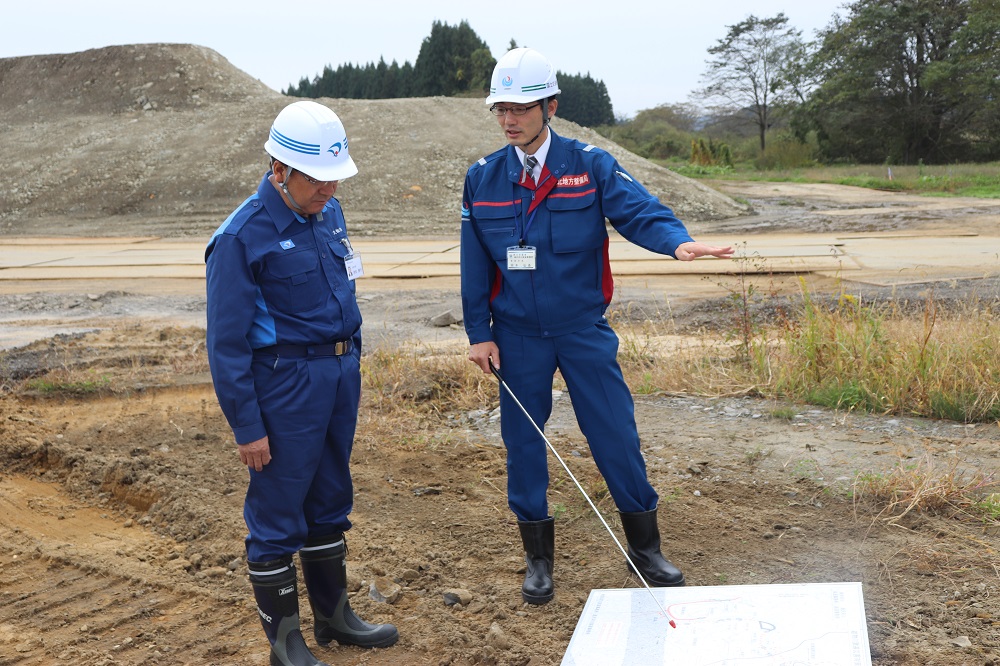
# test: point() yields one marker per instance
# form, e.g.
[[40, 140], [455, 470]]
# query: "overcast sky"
[[646, 57]]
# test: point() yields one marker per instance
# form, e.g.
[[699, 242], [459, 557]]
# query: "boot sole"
[[679, 583], [537, 601], [389, 641]]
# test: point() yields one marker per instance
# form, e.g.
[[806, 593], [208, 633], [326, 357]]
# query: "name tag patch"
[[574, 181]]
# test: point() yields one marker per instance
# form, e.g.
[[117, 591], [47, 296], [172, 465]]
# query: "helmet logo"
[[335, 149], [507, 80]]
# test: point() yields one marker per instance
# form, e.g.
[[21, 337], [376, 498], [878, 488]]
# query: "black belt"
[[338, 348]]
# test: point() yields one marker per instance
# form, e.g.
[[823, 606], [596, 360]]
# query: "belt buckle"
[[340, 347]]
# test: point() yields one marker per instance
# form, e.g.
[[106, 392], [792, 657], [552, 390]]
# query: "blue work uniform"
[[552, 317], [284, 344]]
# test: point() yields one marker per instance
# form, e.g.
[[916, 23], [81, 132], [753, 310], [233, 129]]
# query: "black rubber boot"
[[539, 538], [643, 535], [325, 571], [278, 606]]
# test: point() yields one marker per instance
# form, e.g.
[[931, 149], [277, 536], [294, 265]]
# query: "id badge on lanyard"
[[521, 258], [352, 261]]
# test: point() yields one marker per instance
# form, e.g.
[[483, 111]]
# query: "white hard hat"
[[310, 138], [522, 75]]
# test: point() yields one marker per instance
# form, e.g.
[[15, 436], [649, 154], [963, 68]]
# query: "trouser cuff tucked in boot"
[[275, 590], [324, 568]]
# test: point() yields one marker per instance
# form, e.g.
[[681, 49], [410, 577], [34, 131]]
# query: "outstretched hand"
[[693, 249]]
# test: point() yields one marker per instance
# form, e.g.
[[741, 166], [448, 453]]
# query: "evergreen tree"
[[452, 60], [584, 100]]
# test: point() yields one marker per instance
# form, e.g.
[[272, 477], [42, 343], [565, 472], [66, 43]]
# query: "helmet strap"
[[284, 188], [545, 122]]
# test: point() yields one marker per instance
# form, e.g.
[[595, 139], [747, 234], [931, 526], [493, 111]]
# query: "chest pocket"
[[294, 282], [340, 251], [577, 221], [498, 229]]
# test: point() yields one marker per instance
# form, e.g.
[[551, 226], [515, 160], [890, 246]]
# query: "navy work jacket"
[[273, 277], [563, 217]]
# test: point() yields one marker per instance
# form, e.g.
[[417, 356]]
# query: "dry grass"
[[425, 382], [115, 361], [409, 394], [845, 354], [925, 485], [873, 357]]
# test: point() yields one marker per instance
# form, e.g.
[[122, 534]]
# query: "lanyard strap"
[[528, 220], [539, 192]]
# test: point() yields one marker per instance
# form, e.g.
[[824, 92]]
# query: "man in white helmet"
[[284, 345], [536, 282]]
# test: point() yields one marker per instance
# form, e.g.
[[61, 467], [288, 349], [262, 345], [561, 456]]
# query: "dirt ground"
[[120, 512], [121, 531]]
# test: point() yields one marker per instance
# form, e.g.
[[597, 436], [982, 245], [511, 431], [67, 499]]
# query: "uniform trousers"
[[310, 411], [604, 410]]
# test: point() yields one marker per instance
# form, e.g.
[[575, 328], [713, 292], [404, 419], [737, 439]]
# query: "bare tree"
[[751, 69]]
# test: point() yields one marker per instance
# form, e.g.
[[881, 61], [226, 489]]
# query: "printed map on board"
[[816, 624]]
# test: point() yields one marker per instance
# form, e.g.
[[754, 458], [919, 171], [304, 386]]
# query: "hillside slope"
[[165, 139]]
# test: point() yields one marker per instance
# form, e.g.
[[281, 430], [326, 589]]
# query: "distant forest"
[[889, 81], [453, 61]]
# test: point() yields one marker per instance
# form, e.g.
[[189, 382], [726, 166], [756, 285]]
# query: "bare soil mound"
[[166, 139], [120, 79]]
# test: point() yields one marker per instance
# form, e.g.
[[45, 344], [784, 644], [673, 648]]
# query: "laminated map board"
[[814, 624]]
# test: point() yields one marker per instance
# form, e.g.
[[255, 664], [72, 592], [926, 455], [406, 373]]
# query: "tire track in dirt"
[[76, 583]]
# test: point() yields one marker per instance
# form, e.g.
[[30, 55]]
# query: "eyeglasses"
[[314, 182], [517, 109]]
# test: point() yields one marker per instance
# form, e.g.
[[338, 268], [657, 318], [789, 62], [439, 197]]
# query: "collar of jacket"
[[555, 161], [281, 215]]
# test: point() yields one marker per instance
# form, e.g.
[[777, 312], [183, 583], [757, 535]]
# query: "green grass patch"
[[55, 385], [786, 413], [989, 507], [966, 180]]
